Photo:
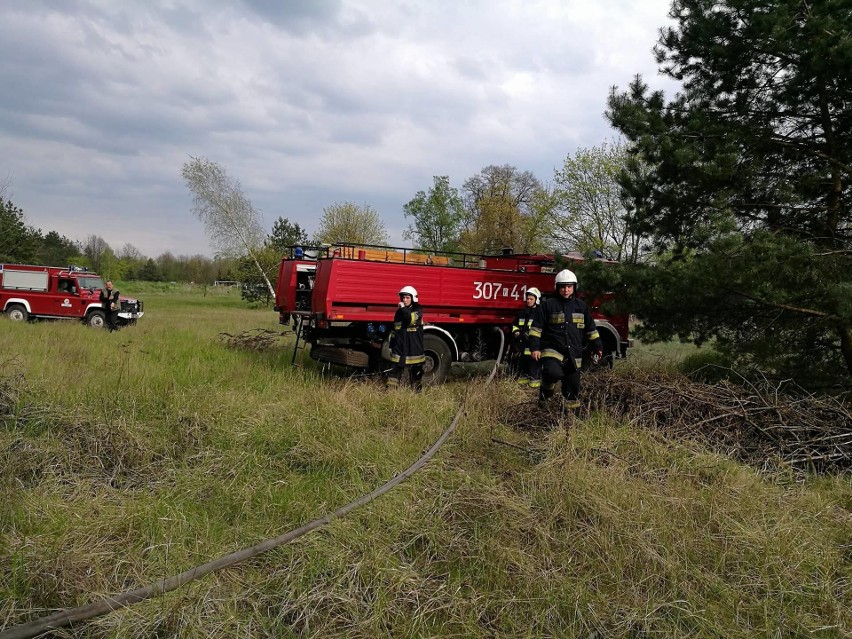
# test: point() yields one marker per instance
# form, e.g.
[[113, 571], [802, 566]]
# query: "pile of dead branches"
[[759, 424], [258, 339]]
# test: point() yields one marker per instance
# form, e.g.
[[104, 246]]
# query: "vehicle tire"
[[608, 359], [17, 313], [96, 319], [439, 358]]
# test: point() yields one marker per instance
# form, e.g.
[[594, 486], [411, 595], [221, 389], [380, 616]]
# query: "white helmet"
[[409, 290], [565, 277], [535, 293]]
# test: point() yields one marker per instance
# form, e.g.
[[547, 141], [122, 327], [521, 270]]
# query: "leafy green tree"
[[592, 214], [252, 285], [18, 242], [150, 272], [752, 159], [57, 250], [437, 216], [352, 223], [505, 207], [285, 234], [131, 262]]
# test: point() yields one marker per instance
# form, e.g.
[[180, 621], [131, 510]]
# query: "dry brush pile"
[[257, 339], [759, 425]]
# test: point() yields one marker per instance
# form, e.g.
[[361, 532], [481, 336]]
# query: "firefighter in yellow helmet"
[[561, 329], [406, 340], [528, 369]]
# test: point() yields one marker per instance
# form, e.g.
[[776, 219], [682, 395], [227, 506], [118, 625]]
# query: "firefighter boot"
[[570, 407], [545, 392]]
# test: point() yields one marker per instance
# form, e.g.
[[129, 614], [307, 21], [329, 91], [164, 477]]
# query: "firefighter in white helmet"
[[527, 369], [561, 329], [406, 340]]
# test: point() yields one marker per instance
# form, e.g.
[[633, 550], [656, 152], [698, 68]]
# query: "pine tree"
[[746, 183]]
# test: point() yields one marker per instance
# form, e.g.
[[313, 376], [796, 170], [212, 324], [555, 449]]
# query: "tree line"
[[500, 207], [21, 243]]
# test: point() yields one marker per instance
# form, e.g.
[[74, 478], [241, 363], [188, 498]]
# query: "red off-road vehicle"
[[60, 293]]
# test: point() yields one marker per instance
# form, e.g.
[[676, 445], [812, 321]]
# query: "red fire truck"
[[342, 300], [59, 293]]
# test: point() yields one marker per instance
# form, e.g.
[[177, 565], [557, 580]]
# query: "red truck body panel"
[[363, 291]]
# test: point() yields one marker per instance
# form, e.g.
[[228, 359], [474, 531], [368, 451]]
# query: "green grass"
[[132, 456]]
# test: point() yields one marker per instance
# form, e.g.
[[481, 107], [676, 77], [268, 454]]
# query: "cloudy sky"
[[305, 102]]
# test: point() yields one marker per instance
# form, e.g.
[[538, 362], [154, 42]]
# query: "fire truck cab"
[[342, 298], [28, 291]]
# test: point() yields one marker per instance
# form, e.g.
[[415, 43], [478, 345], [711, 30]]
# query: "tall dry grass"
[[132, 456]]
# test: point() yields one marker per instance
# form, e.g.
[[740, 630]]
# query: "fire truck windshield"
[[91, 283]]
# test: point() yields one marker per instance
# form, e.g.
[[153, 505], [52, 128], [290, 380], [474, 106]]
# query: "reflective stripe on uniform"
[[549, 352], [415, 359], [535, 332], [593, 335]]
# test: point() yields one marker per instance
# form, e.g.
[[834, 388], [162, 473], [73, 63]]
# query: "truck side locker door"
[[64, 303]]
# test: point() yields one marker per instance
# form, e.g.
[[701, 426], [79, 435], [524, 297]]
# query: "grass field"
[[132, 456]]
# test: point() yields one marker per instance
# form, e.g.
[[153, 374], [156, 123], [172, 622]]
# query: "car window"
[[91, 283]]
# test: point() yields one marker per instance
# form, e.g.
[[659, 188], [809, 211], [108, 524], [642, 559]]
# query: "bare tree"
[[94, 248], [130, 253], [233, 225]]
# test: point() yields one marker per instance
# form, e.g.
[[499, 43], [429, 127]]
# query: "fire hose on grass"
[[161, 586]]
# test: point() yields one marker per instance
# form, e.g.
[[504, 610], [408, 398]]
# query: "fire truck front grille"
[[131, 307]]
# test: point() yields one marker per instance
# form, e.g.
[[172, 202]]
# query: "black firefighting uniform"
[[528, 369], [407, 345], [560, 329], [111, 303]]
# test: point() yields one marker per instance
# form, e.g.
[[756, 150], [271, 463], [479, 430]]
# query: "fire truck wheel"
[[438, 359], [96, 319], [17, 313]]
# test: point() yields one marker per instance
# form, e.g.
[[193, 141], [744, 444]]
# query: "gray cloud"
[[307, 103]]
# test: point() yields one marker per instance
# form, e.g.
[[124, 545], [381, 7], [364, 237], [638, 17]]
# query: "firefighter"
[[406, 340], [109, 299], [528, 369], [561, 329]]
